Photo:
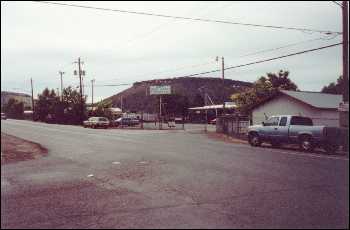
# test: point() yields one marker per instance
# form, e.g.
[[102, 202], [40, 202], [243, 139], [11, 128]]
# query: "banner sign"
[[159, 89]]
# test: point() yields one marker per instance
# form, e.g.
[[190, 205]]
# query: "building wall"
[[27, 100], [284, 105]]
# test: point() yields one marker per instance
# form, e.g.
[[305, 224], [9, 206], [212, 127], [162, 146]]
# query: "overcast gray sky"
[[38, 40]]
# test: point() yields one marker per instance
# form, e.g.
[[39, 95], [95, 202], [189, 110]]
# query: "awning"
[[208, 107]]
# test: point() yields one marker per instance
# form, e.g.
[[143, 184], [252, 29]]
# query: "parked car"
[[287, 129], [3, 116], [212, 122], [126, 121], [178, 120], [96, 122]]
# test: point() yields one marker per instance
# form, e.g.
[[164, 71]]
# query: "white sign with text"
[[159, 89]]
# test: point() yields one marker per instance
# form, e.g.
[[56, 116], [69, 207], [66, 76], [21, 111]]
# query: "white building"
[[20, 97], [321, 107]]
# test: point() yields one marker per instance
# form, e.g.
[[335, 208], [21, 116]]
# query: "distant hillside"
[[185, 93]]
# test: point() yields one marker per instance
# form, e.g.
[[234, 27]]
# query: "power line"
[[152, 31], [265, 60], [251, 63], [337, 3], [242, 65], [286, 46], [113, 85], [191, 19], [170, 70], [245, 55]]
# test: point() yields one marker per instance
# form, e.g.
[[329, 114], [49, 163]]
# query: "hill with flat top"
[[186, 92]]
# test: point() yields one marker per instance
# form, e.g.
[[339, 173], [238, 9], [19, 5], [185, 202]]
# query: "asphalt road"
[[167, 179]]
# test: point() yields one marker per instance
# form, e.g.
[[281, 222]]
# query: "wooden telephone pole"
[[61, 74], [92, 94], [223, 84], [345, 51], [31, 83], [81, 90]]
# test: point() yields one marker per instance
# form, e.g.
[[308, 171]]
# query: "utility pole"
[[206, 111], [223, 84], [81, 90], [92, 94], [160, 112], [31, 83], [345, 51], [121, 103], [61, 73]]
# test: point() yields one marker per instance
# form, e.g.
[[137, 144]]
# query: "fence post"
[[141, 119], [183, 122]]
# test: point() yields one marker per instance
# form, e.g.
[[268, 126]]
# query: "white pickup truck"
[[287, 129]]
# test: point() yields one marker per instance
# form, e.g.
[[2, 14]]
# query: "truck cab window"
[[273, 121], [283, 121], [301, 121]]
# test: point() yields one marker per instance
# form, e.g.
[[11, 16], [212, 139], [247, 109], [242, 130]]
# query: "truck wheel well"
[[301, 136], [253, 133]]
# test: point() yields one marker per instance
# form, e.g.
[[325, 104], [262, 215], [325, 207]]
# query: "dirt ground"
[[14, 149], [225, 138]]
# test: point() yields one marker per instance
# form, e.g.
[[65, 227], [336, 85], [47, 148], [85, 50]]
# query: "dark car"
[[126, 121]]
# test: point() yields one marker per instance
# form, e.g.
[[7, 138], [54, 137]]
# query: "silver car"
[[3, 116], [95, 122]]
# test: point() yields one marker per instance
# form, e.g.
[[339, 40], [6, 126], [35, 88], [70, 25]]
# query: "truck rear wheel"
[[306, 144], [254, 140]]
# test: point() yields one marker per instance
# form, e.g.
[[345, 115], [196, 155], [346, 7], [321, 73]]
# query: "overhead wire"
[[286, 46], [265, 60], [190, 18], [251, 63], [337, 3]]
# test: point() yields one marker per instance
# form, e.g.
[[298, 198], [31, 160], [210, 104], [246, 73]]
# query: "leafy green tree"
[[45, 105], [335, 87], [281, 80], [264, 88], [103, 109], [72, 106], [50, 107]]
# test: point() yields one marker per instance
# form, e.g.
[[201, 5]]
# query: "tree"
[[264, 88], [335, 88], [281, 81], [103, 109], [14, 109], [45, 107], [50, 108], [72, 106]]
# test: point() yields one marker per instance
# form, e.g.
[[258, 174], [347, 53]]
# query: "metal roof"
[[207, 107], [318, 100]]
